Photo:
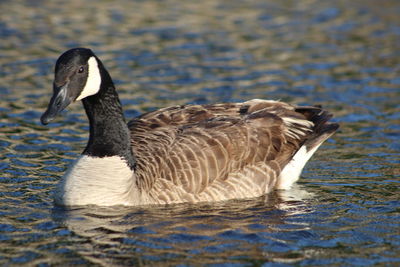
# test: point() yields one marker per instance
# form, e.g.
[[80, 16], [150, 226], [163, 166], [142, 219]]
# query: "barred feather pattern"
[[197, 153]]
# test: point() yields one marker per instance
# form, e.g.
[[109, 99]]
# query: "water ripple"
[[343, 56]]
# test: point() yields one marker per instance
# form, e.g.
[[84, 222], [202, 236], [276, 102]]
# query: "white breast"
[[103, 181]]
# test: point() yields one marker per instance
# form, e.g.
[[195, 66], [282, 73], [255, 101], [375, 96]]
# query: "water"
[[343, 55]]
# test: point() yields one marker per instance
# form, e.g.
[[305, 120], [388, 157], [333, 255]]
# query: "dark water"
[[345, 211]]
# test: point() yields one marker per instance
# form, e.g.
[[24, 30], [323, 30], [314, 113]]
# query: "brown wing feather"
[[196, 152]]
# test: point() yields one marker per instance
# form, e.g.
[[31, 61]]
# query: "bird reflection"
[[200, 233]]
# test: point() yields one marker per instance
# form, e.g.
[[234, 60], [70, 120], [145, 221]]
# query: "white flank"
[[99, 181], [291, 172], [93, 81]]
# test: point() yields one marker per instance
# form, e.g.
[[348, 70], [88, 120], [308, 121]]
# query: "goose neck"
[[109, 135]]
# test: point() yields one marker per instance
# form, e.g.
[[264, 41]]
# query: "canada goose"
[[188, 153]]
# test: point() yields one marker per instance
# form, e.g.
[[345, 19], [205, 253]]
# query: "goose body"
[[188, 153]]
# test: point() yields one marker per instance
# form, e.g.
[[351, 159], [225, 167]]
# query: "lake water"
[[344, 55]]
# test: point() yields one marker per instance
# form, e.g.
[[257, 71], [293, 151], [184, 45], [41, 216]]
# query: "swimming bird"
[[185, 153]]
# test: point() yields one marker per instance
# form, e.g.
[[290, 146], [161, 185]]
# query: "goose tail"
[[322, 130]]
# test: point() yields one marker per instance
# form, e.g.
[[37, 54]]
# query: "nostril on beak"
[[58, 102]]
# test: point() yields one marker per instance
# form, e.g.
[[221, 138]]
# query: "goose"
[[185, 153]]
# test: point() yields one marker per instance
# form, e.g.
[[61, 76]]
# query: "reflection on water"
[[342, 55], [219, 232]]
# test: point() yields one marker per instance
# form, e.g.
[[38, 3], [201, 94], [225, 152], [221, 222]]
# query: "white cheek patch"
[[93, 81]]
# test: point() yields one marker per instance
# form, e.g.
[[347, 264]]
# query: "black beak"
[[58, 103]]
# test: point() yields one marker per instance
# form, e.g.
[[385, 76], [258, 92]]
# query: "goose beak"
[[58, 103]]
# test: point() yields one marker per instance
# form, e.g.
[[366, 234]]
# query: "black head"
[[77, 76]]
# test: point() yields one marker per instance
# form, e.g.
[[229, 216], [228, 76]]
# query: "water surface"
[[343, 55]]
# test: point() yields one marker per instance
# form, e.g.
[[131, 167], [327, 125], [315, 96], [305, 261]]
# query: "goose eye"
[[81, 69]]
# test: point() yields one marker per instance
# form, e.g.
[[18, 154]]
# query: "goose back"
[[215, 152]]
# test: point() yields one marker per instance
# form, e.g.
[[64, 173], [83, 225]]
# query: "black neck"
[[109, 134]]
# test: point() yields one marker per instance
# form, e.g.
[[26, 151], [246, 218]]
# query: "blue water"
[[345, 210]]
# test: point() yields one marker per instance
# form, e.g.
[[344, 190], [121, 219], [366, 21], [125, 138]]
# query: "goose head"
[[77, 76]]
